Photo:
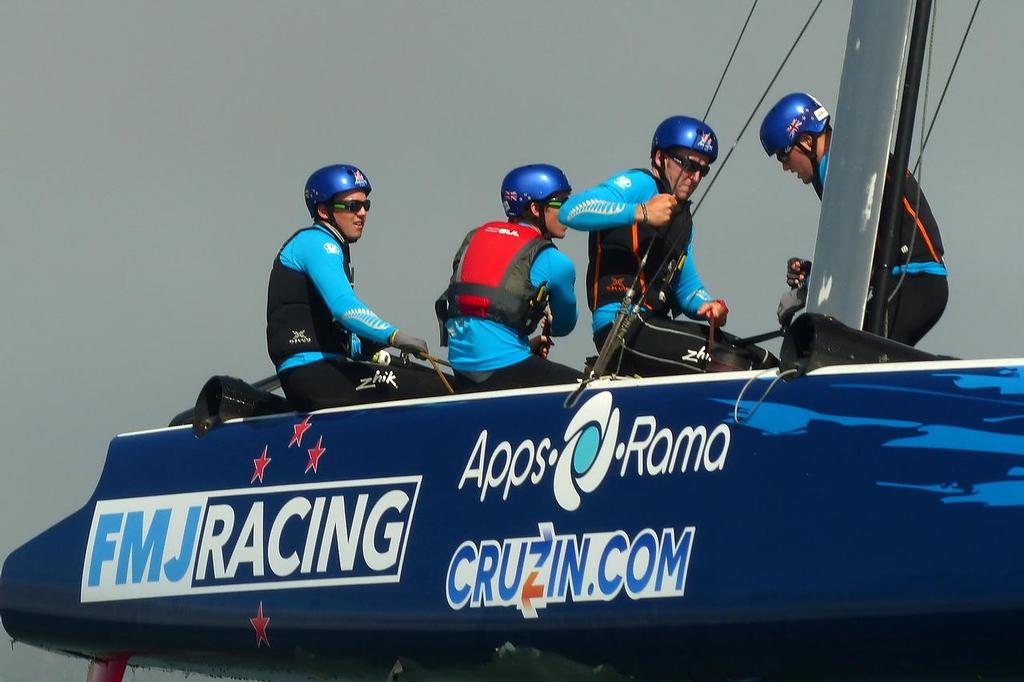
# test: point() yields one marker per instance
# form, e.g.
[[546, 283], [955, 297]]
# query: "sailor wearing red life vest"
[[506, 278]]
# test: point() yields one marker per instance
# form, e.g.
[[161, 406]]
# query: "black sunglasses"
[[688, 165], [354, 206], [783, 155]]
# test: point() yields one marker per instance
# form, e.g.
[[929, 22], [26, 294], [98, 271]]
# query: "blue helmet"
[[688, 132], [792, 116], [536, 182], [330, 180]]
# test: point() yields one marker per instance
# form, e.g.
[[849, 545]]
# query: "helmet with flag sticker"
[[686, 132], [792, 116], [536, 182], [328, 181]]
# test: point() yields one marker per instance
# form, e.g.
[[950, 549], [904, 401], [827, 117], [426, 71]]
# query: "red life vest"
[[491, 277]]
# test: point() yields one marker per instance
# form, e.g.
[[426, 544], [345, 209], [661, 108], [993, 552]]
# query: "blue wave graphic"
[[944, 437], [879, 388], [1009, 381], [777, 419], [992, 494]]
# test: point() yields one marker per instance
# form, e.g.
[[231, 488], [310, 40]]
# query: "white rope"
[[764, 396]]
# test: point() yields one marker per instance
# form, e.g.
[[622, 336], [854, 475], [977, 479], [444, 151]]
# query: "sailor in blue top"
[[506, 278], [797, 131], [647, 211], [318, 331]]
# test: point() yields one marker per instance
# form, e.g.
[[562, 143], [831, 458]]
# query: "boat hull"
[[855, 519]]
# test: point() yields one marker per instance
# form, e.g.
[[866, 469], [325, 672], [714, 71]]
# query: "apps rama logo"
[[290, 536], [529, 573], [592, 449]]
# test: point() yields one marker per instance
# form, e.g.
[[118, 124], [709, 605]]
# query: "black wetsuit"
[[317, 330], [918, 286]]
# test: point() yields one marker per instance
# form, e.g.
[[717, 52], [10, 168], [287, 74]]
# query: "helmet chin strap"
[[663, 172], [332, 225], [816, 183], [542, 223], [816, 180]]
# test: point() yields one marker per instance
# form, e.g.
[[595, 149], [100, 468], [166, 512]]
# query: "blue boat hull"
[[856, 519]]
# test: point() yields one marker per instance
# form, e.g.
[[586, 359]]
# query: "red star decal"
[[260, 624], [298, 430], [315, 453], [261, 466]]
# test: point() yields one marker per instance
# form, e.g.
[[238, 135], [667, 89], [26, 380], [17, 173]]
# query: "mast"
[[863, 122], [904, 137]]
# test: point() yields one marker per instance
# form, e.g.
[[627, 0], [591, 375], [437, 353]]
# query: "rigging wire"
[[756, 106], [626, 312], [729, 62], [924, 103], [949, 78]]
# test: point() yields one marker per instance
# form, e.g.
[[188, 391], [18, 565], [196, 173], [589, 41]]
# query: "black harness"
[[298, 319]]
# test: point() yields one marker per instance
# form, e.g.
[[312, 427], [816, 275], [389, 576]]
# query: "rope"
[[785, 59], [764, 396], [434, 362], [728, 63], [440, 375], [949, 78], [626, 309]]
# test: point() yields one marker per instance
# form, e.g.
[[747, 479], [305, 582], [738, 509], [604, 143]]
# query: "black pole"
[[901, 154]]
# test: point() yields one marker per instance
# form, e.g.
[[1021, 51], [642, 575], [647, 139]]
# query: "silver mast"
[[862, 123]]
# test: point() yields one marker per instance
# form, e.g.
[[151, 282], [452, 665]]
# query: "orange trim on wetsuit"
[[636, 254], [922, 230], [640, 272]]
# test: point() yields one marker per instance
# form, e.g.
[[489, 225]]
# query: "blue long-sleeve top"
[[316, 254], [480, 345], [612, 204]]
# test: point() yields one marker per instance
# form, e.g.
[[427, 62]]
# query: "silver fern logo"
[[366, 317], [596, 207]]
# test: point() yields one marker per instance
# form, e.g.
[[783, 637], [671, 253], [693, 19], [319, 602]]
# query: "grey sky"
[[153, 157]]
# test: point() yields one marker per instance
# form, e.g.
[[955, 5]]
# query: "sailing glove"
[[408, 343], [792, 302], [797, 272]]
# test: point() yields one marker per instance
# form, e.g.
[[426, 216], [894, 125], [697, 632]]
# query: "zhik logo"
[[591, 448], [281, 537], [697, 356], [379, 378]]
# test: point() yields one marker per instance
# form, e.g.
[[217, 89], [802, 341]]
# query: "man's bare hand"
[[715, 311], [660, 209], [540, 345]]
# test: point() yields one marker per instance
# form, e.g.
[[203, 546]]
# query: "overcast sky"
[[154, 154]]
